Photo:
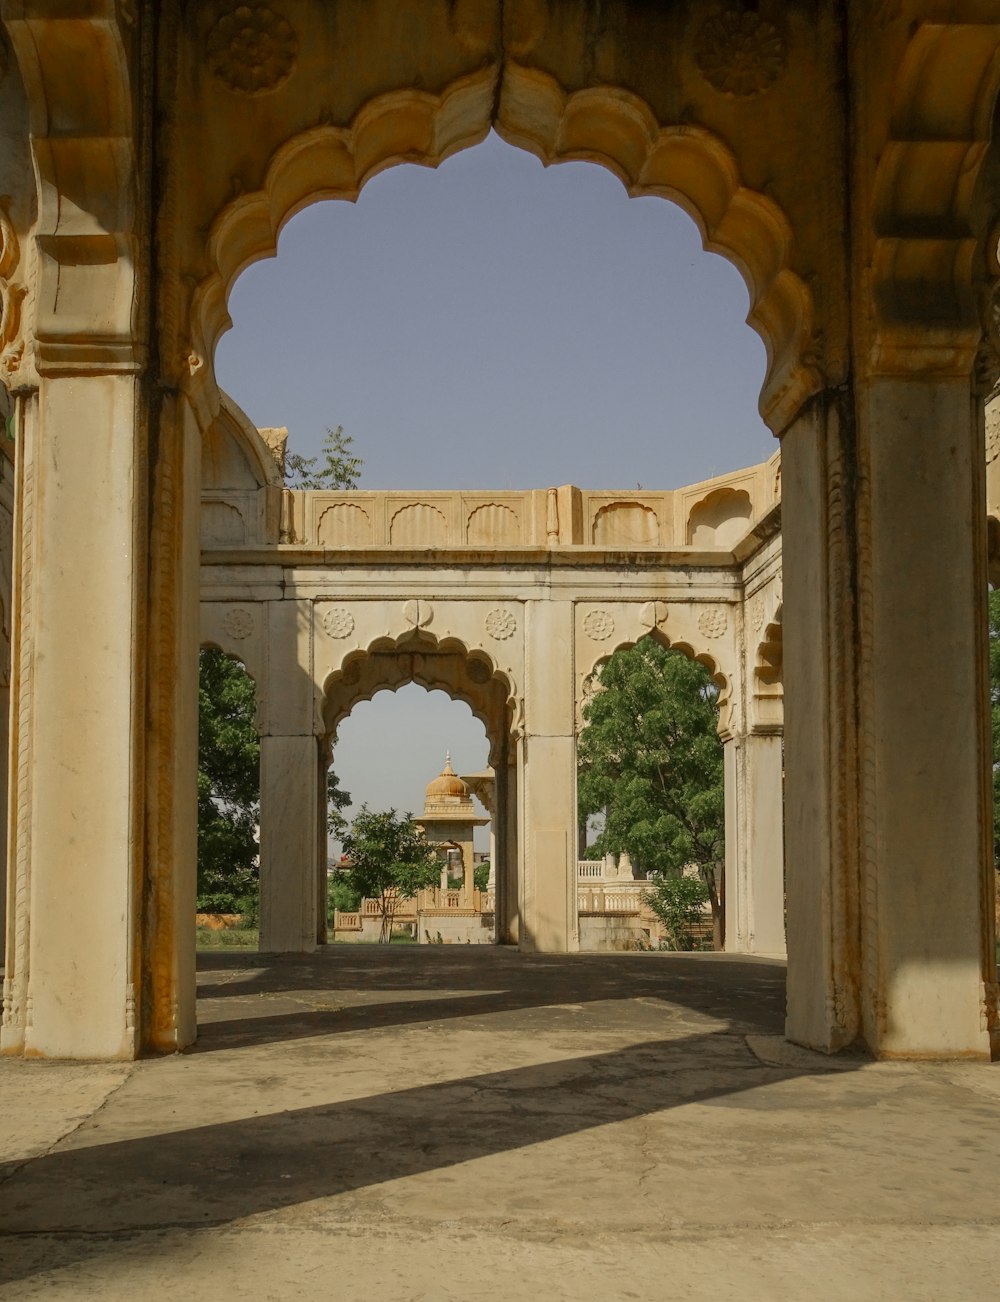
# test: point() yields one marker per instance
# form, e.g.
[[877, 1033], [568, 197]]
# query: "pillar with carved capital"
[[547, 777]]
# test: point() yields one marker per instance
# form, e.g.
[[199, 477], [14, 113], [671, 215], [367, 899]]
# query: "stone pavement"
[[469, 1123]]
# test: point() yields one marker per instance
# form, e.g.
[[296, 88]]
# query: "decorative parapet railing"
[[623, 898], [346, 921], [713, 514]]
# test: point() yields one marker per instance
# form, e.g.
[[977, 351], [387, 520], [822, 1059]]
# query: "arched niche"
[[720, 519]]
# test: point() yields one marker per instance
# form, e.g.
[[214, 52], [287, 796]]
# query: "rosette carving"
[[713, 621], [252, 48], [598, 625], [238, 623], [739, 53], [338, 622], [500, 624]]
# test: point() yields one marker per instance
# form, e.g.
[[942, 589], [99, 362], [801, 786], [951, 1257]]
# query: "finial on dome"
[[447, 761]]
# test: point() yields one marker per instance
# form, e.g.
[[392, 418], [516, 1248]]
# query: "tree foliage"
[[339, 468], [228, 786], [650, 760], [677, 900], [389, 861]]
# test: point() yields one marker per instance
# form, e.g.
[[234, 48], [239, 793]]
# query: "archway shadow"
[[204, 1177], [362, 988]]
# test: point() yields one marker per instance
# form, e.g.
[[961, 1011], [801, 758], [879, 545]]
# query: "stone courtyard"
[[408, 1123]]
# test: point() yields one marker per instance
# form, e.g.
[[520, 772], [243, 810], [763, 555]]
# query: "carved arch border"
[[427, 646], [608, 125], [926, 237], [588, 666]]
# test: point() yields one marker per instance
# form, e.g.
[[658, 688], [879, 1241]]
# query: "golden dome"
[[447, 784]]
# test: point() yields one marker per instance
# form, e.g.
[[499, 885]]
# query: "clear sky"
[[494, 324]]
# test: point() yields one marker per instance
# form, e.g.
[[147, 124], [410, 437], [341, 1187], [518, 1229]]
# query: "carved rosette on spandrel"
[[738, 52], [252, 48]]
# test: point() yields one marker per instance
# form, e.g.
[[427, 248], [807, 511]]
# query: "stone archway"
[[840, 157]]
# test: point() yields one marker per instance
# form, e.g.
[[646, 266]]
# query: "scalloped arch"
[[924, 198], [425, 649], [701, 656], [606, 125]]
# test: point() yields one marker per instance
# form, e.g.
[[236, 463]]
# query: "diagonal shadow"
[[203, 1177], [747, 994]]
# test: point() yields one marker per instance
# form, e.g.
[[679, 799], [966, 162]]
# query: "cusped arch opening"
[[605, 125]]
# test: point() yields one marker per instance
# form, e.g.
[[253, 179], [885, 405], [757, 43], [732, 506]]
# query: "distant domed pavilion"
[[449, 819]]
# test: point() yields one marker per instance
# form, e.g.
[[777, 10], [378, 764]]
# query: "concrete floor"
[[470, 1123]]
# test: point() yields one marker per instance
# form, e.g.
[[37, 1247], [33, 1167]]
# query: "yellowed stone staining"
[[500, 624], [598, 625], [238, 623], [713, 621], [252, 48], [739, 53], [10, 295], [338, 623]]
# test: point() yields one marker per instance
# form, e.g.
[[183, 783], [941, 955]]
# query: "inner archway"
[[390, 752]]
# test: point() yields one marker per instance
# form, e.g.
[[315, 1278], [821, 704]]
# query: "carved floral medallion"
[[757, 613], [252, 48], [500, 624], [713, 621], [598, 625], [338, 622], [238, 623], [738, 52]]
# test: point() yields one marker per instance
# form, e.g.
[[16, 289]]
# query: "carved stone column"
[[887, 813], [548, 778], [292, 810]]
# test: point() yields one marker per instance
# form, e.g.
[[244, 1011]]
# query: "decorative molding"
[[598, 625], [739, 53], [713, 621], [252, 48], [418, 614], [653, 615], [238, 623], [756, 613], [501, 624], [338, 623]]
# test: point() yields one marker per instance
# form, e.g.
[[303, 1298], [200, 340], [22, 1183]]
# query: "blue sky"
[[494, 324]]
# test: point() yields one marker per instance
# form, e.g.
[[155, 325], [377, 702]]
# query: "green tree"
[[339, 469], [650, 760], [389, 861], [678, 901], [228, 786], [481, 876]]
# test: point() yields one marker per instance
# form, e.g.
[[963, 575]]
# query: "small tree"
[[481, 876], [389, 861], [340, 468], [678, 901], [650, 760]]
